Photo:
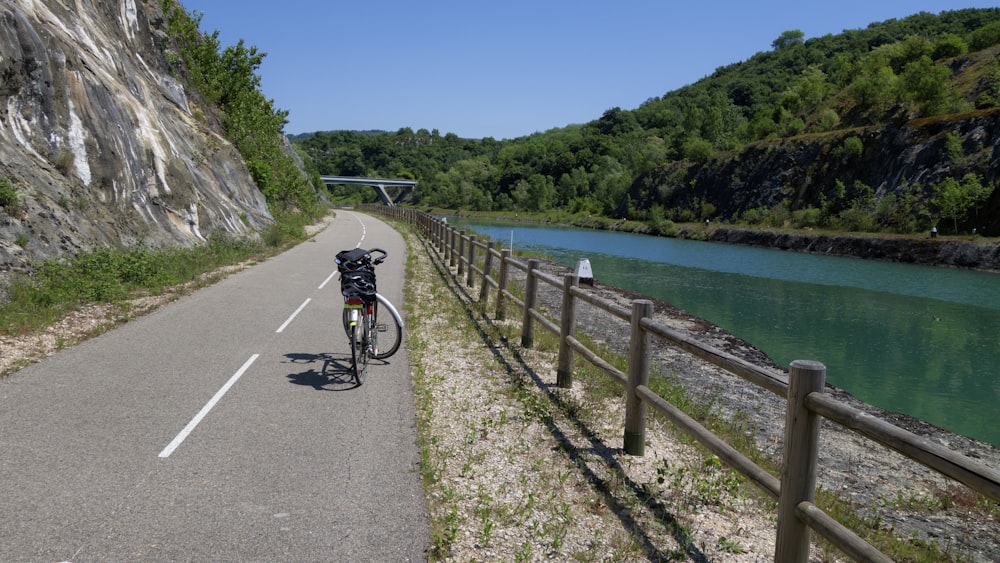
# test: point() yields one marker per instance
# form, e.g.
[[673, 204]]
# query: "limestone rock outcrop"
[[99, 143]]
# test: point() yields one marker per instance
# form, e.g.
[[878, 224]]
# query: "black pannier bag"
[[357, 273], [354, 259]]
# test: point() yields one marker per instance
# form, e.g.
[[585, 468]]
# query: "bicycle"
[[361, 311]]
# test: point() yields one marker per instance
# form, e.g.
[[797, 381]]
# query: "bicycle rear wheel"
[[387, 334], [359, 350]]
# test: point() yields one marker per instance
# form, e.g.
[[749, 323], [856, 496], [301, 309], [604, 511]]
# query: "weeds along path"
[[516, 469]]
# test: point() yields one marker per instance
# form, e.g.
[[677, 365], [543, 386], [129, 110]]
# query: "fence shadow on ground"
[[521, 372]]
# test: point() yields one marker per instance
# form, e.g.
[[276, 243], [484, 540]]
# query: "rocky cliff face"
[[805, 170], [101, 144]]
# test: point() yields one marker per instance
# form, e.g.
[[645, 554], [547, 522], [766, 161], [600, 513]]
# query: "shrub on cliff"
[[228, 79]]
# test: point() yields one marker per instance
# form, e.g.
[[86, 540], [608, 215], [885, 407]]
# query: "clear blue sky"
[[509, 68]]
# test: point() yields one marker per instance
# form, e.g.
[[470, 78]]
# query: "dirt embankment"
[[937, 251]]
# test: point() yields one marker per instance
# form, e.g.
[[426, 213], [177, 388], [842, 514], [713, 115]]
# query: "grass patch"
[[10, 199], [868, 524], [112, 275]]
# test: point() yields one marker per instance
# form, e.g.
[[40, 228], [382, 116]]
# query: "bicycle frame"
[[370, 337]]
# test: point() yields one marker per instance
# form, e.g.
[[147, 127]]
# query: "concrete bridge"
[[378, 183]]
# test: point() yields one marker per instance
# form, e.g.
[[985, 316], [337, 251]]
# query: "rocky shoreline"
[[971, 252], [975, 254]]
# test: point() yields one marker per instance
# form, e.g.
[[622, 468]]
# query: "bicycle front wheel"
[[387, 334]]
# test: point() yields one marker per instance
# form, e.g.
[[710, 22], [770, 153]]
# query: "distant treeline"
[[890, 72]]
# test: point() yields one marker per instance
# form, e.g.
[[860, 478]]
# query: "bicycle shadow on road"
[[326, 372]]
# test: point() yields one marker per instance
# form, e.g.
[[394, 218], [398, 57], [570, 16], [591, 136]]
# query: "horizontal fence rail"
[[802, 388]]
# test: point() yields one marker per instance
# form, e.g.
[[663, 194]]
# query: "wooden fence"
[[803, 389]]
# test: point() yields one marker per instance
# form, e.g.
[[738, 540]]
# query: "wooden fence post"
[[445, 243], [530, 297], [567, 328], [502, 283], [451, 248], [470, 280], [798, 473], [638, 374], [487, 270], [461, 253]]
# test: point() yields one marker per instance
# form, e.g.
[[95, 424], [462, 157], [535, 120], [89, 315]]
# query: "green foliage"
[[949, 45], [289, 226], [228, 80], [807, 218], [876, 91], [990, 95], [879, 76], [928, 86], [853, 147], [10, 200], [953, 148], [697, 149], [788, 38], [954, 200], [110, 275], [985, 36], [658, 222]]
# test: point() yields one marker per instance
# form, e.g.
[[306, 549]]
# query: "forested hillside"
[[888, 128]]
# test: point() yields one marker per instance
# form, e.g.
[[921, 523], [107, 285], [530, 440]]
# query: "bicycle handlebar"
[[380, 259]]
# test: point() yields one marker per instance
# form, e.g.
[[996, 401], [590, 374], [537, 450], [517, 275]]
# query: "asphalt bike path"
[[223, 426]]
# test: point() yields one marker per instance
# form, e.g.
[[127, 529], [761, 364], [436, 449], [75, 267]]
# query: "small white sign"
[[584, 272]]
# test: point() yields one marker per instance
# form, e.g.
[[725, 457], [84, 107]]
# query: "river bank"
[[970, 252], [974, 254]]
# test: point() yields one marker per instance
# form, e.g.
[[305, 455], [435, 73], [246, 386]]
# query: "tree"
[[853, 147], [464, 185], [985, 37], [927, 85], [954, 199], [877, 91], [799, 87], [949, 45], [697, 149], [787, 39], [812, 88]]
